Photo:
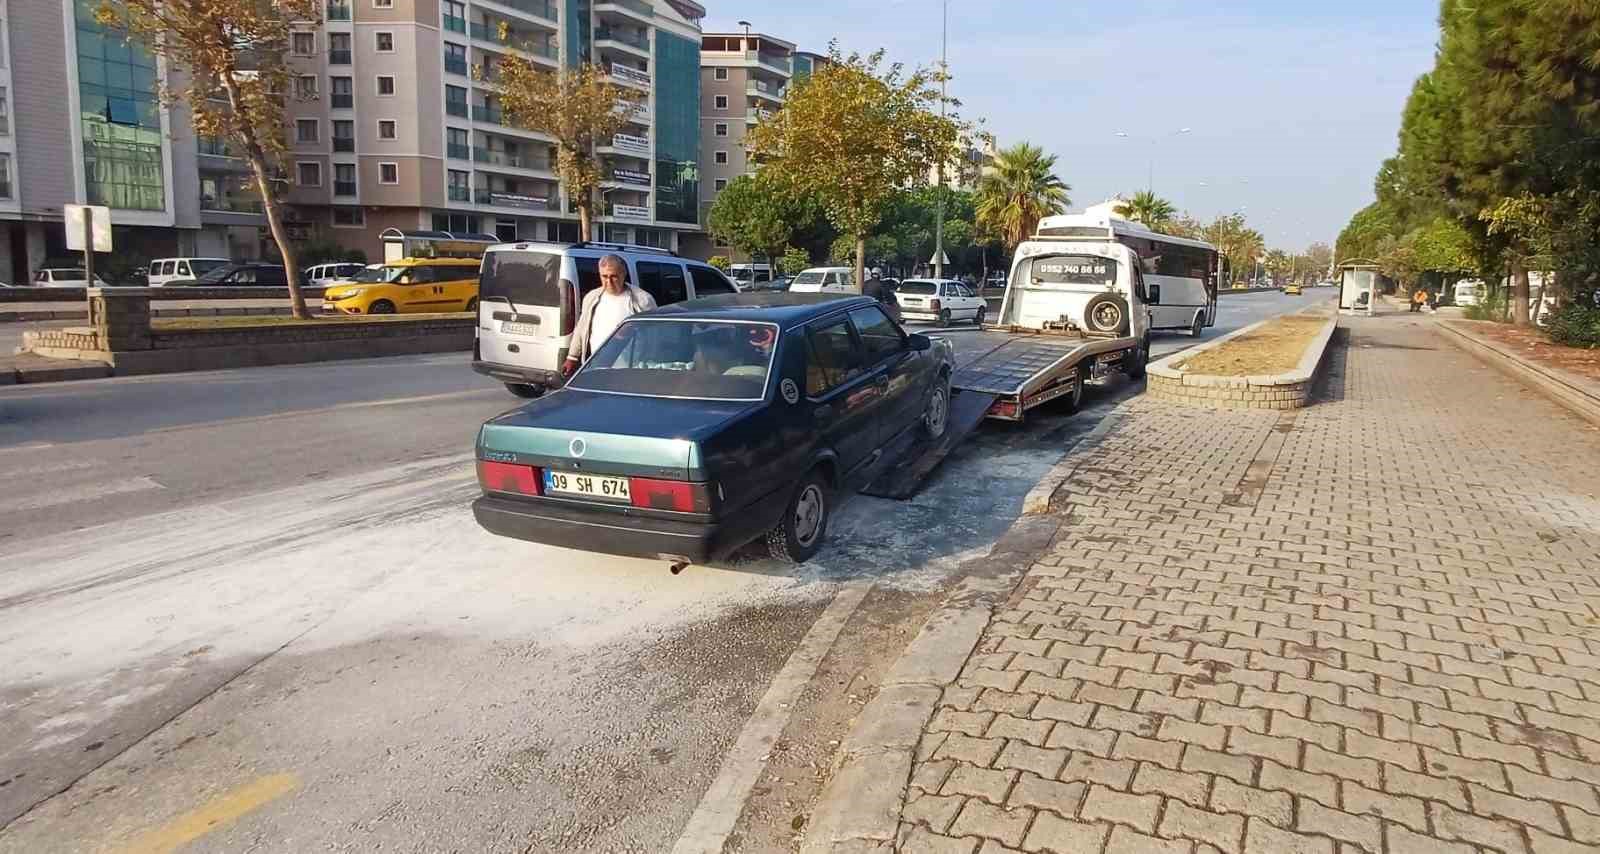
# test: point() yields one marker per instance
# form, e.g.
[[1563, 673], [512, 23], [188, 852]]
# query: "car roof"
[[785, 309]]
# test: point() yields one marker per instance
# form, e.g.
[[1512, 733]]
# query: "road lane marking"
[[713, 820], [215, 815], [75, 494]]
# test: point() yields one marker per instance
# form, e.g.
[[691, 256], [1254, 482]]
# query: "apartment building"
[[81, 123], [402, 127]]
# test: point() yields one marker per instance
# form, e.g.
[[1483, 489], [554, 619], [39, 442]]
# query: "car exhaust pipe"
[[677, 566]]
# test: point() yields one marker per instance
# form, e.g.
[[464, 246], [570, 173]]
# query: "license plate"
[[328, 306], [913, 302], [586, 485], [518, 328]]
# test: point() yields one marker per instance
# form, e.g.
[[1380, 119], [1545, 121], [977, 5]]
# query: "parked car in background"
[[1468, 292], [321, 275], [164, 270], [832, 280], [750, 276], [241, 274], [940, 300], [65, 277], [408, 286], [530, 294], [701, 426]]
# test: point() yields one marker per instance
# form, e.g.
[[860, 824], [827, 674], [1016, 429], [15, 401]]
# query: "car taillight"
[[508, 477], [569, 307], [933, 304], [678, 495]]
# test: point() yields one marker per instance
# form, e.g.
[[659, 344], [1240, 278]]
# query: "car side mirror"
[[1155, 294], [920, 342]]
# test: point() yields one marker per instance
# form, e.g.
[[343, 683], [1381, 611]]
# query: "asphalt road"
[[250, 609]]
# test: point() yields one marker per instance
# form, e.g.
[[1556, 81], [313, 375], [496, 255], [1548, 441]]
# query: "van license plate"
[[517, 328], [586, 485]]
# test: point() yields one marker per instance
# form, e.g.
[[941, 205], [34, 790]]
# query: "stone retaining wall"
[[178, 292], [1289, 390]]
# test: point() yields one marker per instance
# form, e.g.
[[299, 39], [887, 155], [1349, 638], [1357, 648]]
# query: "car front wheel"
[[936, 417], [798, 535]]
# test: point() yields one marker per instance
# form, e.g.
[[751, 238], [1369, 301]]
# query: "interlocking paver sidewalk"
[[1370, 625]]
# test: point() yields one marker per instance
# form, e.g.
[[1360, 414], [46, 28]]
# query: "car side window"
[[419, 276], [830, 357], [243, 277], [183, 268], [708, 282], [880, 338], [167, 267], [665, 282]]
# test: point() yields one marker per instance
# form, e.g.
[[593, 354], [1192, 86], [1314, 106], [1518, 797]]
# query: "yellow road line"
[[220, 812]]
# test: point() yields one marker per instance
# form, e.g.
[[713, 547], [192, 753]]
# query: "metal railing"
[[230, 204], [506, 158], [344, 188], [541, 8], [781, 63], [455, 65], [639, 40], [455, 24], [338, 11], [460, 194], [639, 6], [486, 114], [344, 144], [339, 57], [210, 145], [342, 100], [761, 87], [457, 151], [456, 108]]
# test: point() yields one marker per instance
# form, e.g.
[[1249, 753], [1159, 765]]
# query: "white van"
[[1093, 287], [748, 276], [322, 275], [832, 280], [529, 295], [1468, 292], [163, 270]]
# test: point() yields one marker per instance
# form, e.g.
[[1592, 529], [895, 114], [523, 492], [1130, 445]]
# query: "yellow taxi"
[[1292, 290], [408, 286]]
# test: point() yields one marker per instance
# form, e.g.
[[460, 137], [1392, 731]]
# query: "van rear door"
[[526, 310]]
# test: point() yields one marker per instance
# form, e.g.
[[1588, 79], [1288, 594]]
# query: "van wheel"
[[525, 390], [798, 535], [382, 306], [1199, 327], [472, 304], [1106, 313]]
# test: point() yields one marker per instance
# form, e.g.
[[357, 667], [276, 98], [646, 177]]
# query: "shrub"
[[721, 262], [1491, 306], [794, 260], [1576, 326]]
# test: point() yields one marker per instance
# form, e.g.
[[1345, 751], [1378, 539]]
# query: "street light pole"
[[944, 74]]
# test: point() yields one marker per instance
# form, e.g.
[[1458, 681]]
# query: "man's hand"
[[569, 367]]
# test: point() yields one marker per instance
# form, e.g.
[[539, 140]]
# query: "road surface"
[[251, 609]]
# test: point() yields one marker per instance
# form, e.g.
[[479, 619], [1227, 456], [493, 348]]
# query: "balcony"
[[537, 8], [455, 24], [628, 76], [338, 11], [756, 114], [624, 39], [628, 145], [537, 44], [763, 89], [456, 108], [460, 194], [339, 57], [487, 114], [784, 64], [504, 199], [342, 101], [456, 65], [458, 151], [231, 204], [344, 144], [344, 188], [494, 157], [633, 8], [211, 146]]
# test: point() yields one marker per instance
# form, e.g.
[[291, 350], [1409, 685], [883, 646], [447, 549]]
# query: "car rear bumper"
[[918, 314], [519, 374], [606, 532]]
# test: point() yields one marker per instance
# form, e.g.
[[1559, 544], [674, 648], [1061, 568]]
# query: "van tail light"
[[1004, 408], [934, 304], [569, 307], [679, 495], [508, 477]]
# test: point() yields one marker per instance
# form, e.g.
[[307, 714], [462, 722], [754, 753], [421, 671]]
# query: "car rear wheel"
[[978, 318], [798, 535], [944, 317], [472, 304], [382, 306], [525, 390], [936, 417]]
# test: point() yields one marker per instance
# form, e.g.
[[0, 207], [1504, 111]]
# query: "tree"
[[1238, 241], [853, 132], [721, 262], [757, 214], [231, 55], [1319, 258], [579, 107], [1146, 207], [1020, 189], [795, 260]]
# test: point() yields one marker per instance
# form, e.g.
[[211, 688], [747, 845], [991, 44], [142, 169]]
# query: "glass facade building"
[[677, 127], [120, 117]]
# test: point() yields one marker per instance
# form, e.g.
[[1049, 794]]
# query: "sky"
[[1290, 105]]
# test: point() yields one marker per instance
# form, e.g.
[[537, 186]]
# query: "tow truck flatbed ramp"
[[902, 478], [1012, 362]]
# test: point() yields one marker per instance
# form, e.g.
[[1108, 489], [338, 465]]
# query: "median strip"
[[1268, 365]]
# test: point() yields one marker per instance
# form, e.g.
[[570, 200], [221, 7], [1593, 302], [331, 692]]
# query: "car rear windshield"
[[808, 279], [200, 266], [918, 288], [523, 277], [706, 360]]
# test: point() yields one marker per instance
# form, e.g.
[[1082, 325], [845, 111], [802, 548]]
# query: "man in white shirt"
[[604, 309]]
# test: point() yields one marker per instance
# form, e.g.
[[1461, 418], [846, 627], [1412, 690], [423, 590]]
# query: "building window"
[[720, 73], [303, 44], [722, 158], [344, 179], [119, 117], [305, 87], [310, 174], [348, 217], [722, 184], [385, 42], [306, 130], [5, 176], [388, 173], [387, 129], [342, 93], [385, 84], [456, 223], [344, 135], [338, 48], [721, 129], [5, 112], [383, 4], [722, 102]]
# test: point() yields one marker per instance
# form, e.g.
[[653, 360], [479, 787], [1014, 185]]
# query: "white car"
[[322, 275], [164, 270], [831, 280], [64, 277], [939, 300]]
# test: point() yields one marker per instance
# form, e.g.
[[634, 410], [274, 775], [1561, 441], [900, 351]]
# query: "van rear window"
[[524, 278]]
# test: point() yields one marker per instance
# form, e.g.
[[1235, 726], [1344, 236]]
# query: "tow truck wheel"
[[798, 535], [1138, 359], [1075, 401]]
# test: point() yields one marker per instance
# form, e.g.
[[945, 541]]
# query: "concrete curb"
[[1287, 390], [860, 808], [1576, 393]]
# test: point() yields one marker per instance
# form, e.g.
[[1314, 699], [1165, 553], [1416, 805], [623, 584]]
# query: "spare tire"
[[1106, 313]]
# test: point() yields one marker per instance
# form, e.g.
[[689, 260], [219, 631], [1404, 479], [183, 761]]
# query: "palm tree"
[[1155, 212], [1017, 191]]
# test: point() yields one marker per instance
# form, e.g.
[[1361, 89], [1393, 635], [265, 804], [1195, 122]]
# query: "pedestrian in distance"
[[604, 309], [1419, 299]]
